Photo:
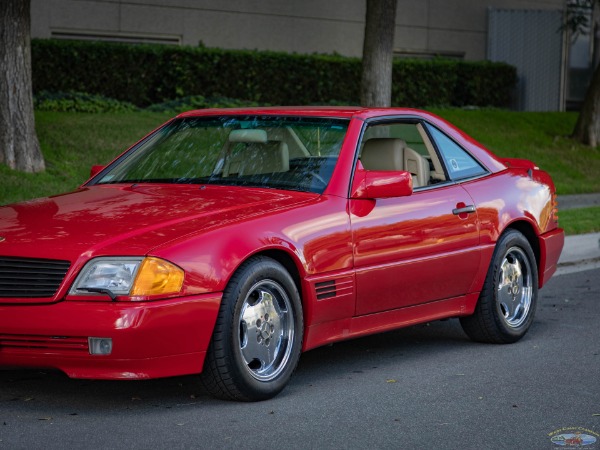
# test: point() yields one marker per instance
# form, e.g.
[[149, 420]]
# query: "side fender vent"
[[325, 289], [337, 288]]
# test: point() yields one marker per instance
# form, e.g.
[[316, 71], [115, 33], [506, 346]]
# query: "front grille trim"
[[31, 277]]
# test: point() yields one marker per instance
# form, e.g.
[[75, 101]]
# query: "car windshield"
[[296, 153]]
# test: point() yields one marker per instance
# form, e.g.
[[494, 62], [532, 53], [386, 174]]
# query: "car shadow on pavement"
[[391, 349], [29, 389]]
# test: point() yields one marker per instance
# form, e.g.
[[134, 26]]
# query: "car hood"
[[129, 220]]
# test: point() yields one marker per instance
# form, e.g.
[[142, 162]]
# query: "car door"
[[414, 249]]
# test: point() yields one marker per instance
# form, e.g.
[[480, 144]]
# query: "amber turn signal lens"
[[554, 215], [157, 277]]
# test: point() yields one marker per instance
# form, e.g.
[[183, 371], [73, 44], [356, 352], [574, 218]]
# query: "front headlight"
[[132, 277]]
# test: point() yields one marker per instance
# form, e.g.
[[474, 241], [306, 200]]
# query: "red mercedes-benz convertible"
[[227, 242]]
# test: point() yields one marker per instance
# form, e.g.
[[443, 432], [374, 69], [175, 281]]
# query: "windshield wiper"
[[108, 292]]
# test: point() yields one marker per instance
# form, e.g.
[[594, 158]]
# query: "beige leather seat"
[[418, 166], [258, 158], [251, 153], [393, 154], [383, 154]]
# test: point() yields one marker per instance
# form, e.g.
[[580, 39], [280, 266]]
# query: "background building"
[[525, 33]]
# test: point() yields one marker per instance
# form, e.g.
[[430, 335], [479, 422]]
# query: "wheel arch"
[[287, 261], [283, 256], [231, 374], [527, 230], [293, 266], [486, 323]]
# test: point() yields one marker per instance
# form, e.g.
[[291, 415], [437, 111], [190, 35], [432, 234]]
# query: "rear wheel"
[[508, 299], [258, 335]]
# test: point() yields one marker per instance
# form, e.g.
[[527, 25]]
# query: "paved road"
[[425, 387]]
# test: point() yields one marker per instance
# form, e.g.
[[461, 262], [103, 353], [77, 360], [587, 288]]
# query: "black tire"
[[508, 300], [257, 339]]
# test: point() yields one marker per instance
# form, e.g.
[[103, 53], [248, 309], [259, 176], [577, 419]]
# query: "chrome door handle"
[[463, 210]]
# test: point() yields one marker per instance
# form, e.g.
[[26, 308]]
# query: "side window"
[[458, 162], [399, 146]]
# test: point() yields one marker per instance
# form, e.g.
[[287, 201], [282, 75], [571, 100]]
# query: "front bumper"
[[150, 339]]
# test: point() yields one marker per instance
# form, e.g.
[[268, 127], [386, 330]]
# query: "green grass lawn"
[[73, 142], [577, 221]]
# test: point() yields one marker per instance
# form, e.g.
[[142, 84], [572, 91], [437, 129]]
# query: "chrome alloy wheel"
[[515, 287], [266, 330]]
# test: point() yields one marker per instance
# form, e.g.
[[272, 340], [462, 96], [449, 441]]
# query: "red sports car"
[[227, 242]]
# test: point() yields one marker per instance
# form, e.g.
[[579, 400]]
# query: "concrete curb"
[[581, 252], [580, 247]]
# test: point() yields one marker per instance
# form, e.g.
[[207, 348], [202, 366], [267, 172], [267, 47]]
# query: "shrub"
[[79, 102], [482, 84], [199, 102], [148, 74]]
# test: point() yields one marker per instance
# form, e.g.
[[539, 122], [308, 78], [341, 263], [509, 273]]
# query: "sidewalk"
[[578, 201], [581, 252], [580, 247]]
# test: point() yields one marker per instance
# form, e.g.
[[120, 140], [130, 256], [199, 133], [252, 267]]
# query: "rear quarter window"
[[458, 162]]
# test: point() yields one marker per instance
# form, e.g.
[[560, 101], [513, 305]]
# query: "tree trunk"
[[587, 128], [19, 146], [378, 52]]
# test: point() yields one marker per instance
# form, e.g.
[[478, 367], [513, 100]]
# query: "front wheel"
[[258, 335], [508, 299]]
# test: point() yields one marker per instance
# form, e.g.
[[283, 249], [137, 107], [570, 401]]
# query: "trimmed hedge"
[[199, 102], [148, 74], [79, 102]]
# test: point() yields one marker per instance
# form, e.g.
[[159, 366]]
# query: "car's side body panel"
[[413, 250], [521, 199], [338, 330]]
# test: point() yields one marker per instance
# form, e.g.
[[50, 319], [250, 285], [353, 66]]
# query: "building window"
[[130, 38]]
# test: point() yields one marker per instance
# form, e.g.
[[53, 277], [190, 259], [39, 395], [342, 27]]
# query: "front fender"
[[316, 236]]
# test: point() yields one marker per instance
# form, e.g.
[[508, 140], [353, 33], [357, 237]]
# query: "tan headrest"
[[248, 136], [383, 154]]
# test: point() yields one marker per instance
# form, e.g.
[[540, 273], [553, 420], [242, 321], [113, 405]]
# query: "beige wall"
[[302, 26]]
